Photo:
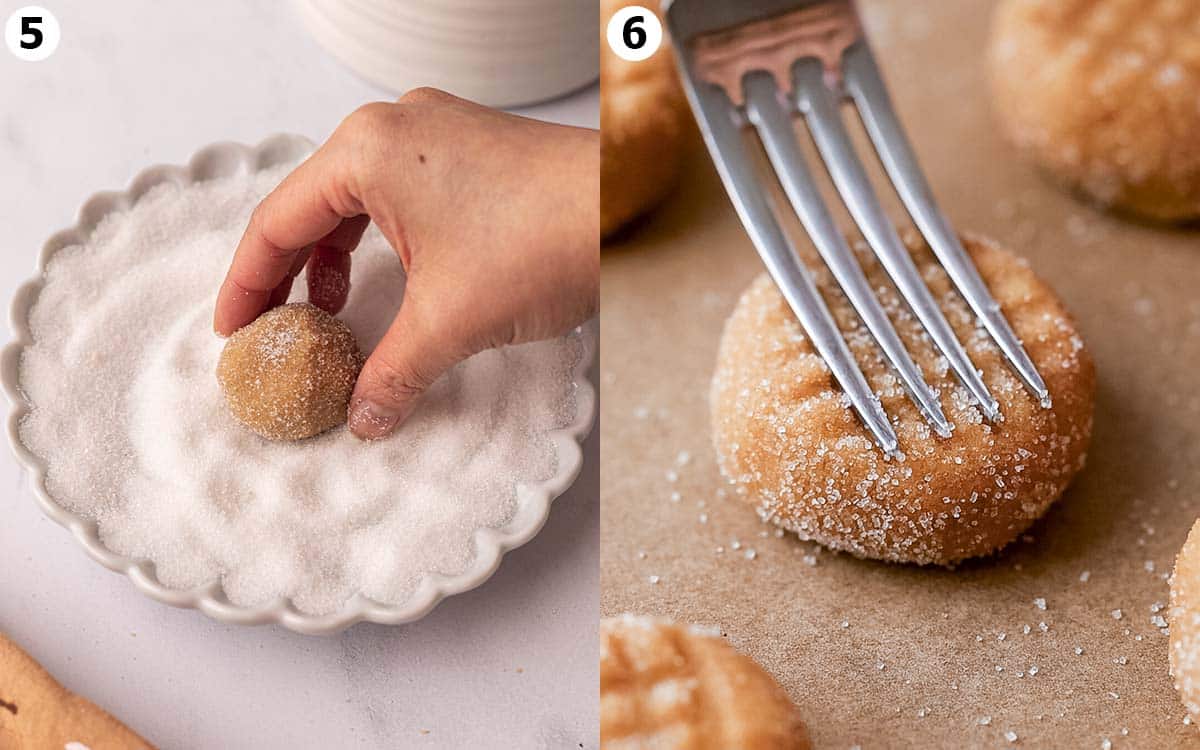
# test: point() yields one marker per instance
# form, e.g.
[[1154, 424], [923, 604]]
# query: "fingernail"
[[371, 421]]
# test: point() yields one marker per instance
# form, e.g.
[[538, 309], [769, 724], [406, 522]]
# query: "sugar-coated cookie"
[[37, 713], [643, 124], [677, 687], [1102, 94], [787, 439], [1185, 623]]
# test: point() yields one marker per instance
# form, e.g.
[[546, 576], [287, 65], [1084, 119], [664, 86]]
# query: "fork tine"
[[774, 126], [724, 141], [825, 123], [865, 84]]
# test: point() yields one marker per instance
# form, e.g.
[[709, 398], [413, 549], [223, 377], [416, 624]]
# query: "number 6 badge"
[[634, 33]]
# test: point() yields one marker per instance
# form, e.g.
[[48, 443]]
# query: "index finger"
[[296, 214]]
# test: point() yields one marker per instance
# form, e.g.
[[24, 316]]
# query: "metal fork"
[[759, 63]]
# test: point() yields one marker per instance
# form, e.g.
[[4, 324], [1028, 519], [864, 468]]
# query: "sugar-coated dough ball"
[[679, 687], [788, 440], [643, 122], [1185, 623], [1102, 94], [290, 374]]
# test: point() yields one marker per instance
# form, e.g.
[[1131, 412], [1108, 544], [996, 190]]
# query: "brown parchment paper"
[[887, 656]]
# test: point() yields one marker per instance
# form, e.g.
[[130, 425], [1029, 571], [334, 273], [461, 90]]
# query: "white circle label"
[[32, 33], [634, 33]]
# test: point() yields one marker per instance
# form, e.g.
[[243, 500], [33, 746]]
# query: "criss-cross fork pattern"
[[761, 64]]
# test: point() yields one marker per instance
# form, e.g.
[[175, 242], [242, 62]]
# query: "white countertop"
[[512, 664]]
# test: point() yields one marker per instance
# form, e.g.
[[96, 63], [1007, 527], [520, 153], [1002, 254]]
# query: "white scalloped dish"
[[489, 543]]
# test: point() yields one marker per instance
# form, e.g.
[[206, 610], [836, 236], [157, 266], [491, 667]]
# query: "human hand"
[[494, 218]]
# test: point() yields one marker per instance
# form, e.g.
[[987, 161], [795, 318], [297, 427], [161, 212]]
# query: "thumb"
[[408, 360]]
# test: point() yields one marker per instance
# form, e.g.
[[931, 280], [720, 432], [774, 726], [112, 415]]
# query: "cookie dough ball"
[[289, 375], [1185, 623], [675, 686], [1102, 94], [643, 121], [792, 446]]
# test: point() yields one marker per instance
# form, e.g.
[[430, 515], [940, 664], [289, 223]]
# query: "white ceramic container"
[[502, 53]]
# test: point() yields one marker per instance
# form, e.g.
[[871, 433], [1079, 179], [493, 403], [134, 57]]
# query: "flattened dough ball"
[[643, 118], [788, 440], [1185, 623], [1102, 94], [289, 375], [672, 686]]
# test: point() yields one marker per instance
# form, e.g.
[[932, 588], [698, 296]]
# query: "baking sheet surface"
[[887, 656]]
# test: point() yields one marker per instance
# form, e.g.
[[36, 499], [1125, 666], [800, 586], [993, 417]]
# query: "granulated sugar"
[[128, 416]]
